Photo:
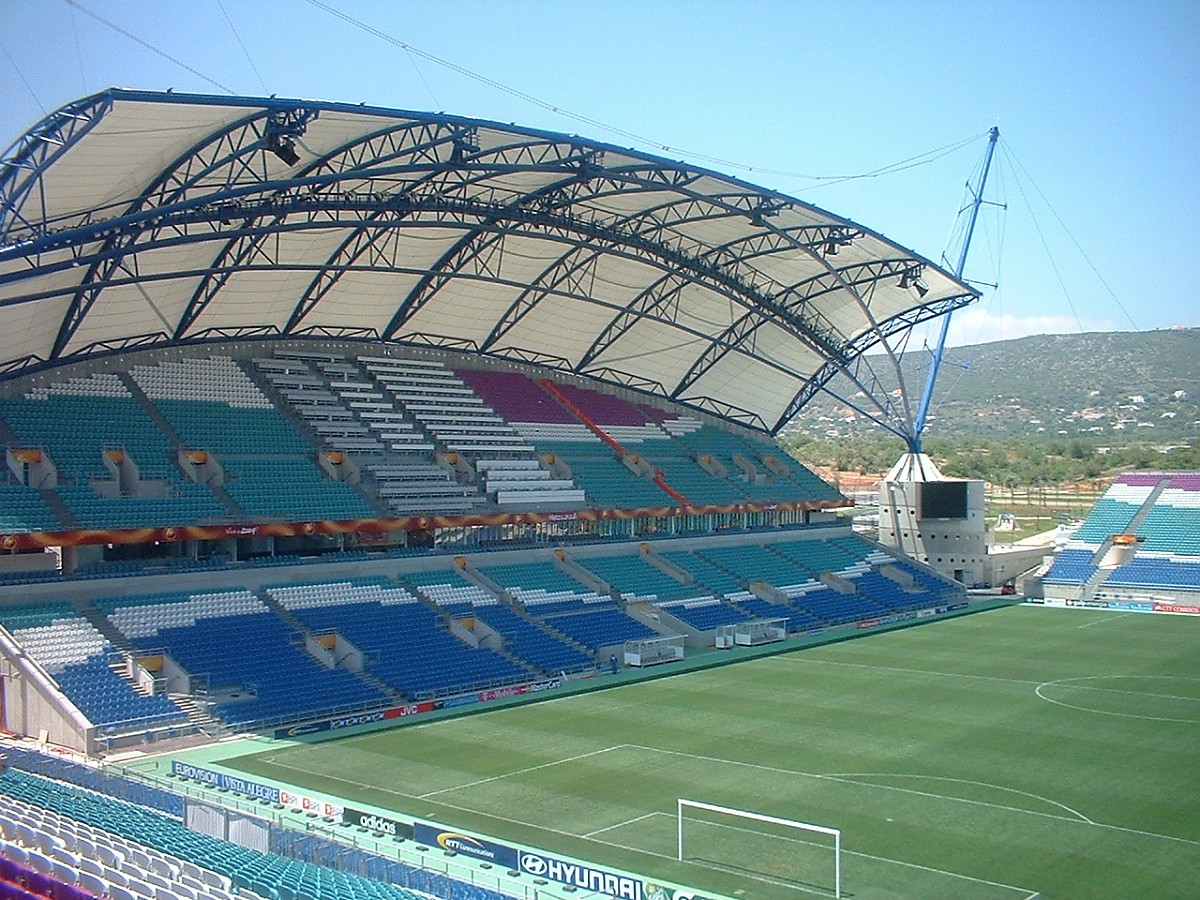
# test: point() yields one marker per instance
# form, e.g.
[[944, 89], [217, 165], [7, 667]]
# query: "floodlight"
[[286, 151]]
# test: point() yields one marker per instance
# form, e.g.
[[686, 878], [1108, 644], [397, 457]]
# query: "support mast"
[[923, 409]]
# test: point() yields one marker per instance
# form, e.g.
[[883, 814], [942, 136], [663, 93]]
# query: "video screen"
[[944, 500]]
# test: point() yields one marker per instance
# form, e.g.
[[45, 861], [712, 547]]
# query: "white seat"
[[86, 864], [40, 862], [216, 879], [15, 852], [166, 868], [93, 884], [63, 855], [65, 873], [153, 878], [141, 888]]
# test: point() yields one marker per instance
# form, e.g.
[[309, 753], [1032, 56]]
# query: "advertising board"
[[465, 844], [377, 823], [578, 875], [225, 781]]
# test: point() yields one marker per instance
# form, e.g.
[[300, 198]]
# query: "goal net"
[[769, 848]]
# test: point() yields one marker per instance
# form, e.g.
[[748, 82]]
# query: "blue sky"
[[1098, 105]]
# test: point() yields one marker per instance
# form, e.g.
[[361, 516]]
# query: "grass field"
[[996, 755]]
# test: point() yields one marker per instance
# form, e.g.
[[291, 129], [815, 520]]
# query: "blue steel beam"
[[357, 157], [472, 247], [482, 235], [468, 171], [939, 350], [220, 156], [669, 218], [278, 206], [583, 180], [902, 322], [742, 330], [655, 297], [26, 161]]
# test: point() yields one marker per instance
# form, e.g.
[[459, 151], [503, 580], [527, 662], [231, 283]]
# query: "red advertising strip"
[[39, 540], [413, 709], [501, 693], [1177, 608]]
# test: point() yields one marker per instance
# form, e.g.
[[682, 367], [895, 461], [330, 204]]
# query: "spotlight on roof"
[[464, 145], [285, 150], [283, 128], [910, 279], [763, 210]]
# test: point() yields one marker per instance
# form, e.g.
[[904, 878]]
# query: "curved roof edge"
[[133, 218]]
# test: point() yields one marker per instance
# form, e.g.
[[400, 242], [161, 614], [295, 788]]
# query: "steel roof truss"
[[437, 183], [26, 161], [412, 140], [222, 150], [902, 322], [655, 221]]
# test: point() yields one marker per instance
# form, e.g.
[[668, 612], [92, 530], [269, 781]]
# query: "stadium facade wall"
[[32, 704]]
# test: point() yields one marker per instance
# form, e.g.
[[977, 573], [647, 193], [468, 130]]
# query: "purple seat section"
[[20, 881], [515, 397], [603, 409]]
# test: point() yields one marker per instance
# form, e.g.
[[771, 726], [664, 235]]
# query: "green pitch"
[[992, 756]]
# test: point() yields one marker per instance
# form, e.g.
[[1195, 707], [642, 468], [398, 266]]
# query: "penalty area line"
[[547, 765], [650, 815], [1026, 893]]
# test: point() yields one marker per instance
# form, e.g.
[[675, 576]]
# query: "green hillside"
[[1115, 383]]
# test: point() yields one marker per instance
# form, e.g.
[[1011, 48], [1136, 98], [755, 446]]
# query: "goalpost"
[[835, 833]]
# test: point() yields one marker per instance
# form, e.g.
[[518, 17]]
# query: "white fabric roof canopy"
[[135, 219]]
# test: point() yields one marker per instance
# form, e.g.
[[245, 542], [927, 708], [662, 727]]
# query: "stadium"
[[393, 507]]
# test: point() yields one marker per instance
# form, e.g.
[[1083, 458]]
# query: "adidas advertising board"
[[378, 824]]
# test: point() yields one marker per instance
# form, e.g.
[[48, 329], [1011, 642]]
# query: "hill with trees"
[[1034, 412], [1103, 386]]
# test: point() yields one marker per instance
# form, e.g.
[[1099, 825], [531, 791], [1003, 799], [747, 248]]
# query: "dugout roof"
[[133, 219]]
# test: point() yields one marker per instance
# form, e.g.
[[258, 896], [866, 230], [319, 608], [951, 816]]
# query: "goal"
[[714, 820]]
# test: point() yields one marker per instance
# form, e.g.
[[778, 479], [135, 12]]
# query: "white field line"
[[552, 763], [1037, 686], [651, 815], [832, 662], [856, 776], [484, 814], [870, 856], [752, 876], [1068, 682], [1108, 690], [1081, 820], [1104, 620], [593, 836]]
